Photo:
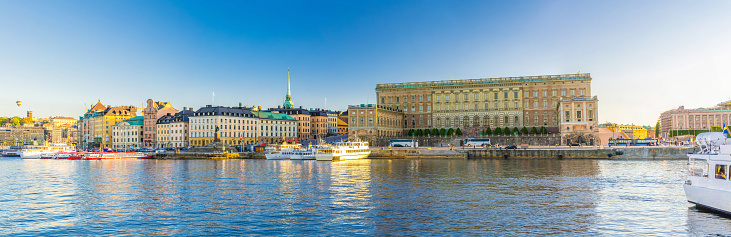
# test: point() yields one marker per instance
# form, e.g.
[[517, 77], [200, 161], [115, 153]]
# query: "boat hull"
[[709, 198]]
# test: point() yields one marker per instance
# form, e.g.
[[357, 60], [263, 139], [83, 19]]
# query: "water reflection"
[[373, 197]]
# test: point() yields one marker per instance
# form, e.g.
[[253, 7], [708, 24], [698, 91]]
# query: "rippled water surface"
[[371, 197]]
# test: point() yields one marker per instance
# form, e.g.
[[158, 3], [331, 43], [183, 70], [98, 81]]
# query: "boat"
[[707, 183], [45, 151], [296, 154], [349, 150], [274, 151], [115, 155], [11, 153]]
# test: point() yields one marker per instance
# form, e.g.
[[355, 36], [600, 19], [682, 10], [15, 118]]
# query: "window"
[[578, 114], [535, 93], [446, 97], [390, 99], [721, 172], [545, 103], [421, 98], [476, 96], [535, 104], [573, 92], [515, 94], [397, 98], [487, 106], [563, 92], [581, 91], [554, 92], [568, 115], [505, 95], [428, 98], [545, 93], [465, 97], [554, 103], [526, 94], [526, 104], [496, 96], [486, 96], [506, 105]]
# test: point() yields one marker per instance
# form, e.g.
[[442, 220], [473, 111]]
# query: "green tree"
[[488, 131], [543, 130], [3, 121], [419, 132], [450, 131], [458, 132], [506, 131], [515, 130], [533, 130], [442, 132], [524, 131], [657, 129], [435, 131], [15, 121], [427, 132], [498, 131], [411, 132]]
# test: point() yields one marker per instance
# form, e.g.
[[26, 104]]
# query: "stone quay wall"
[[441, 141]]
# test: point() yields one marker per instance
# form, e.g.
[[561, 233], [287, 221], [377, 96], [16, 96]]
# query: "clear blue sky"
[[645, 56]]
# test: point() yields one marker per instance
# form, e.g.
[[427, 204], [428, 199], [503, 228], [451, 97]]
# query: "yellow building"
[[631, 131], [97, 124]]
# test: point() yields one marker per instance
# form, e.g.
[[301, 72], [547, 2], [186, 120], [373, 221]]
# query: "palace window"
[[515, 94], [486, 105], [545, 93], [465, 96], [535, 93], [578, 114], [527, 94], [554, 92], [428, 98], [496, 96], [563, 92], [582, 91], [573, 92]]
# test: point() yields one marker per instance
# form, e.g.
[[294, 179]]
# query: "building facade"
[[152, 112], [180, 128], [475, 104], [276, 127], [62, 130], [370, 121], [578, 119], [128, 134], [302, 116], [96, 124], [332, 122], [12, 136], [229, 125], [682, 119]]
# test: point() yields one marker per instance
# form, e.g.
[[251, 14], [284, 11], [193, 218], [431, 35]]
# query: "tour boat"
[[274, 151], [296, 154], [707, 184], [11, 153], [344, 151], [44, 152], [114, 155]]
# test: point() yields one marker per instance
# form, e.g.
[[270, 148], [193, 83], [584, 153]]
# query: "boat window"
[[721, 171]]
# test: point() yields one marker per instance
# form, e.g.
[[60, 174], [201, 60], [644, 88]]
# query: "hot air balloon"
[[19, 103]]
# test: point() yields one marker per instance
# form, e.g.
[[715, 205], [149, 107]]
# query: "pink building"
[[152, 112], [695, 119]]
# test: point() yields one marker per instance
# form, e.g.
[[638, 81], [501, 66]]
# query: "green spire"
[[288, 98]]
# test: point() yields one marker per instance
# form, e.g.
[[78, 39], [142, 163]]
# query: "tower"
[[288, 98]]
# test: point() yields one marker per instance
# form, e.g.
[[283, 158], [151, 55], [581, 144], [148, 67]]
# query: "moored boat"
[[275, 151], [349, 150], [114, 155], [707, 184], [44, 152]]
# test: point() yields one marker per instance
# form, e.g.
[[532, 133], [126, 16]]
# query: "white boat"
[[37, 152], [707, 184], [114, 155], [296, 154], [344, 151], [275, 151]]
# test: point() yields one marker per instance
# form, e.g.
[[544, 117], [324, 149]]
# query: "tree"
[[450, 131], [419, 132], [524, 131], [533, 130], [3, 121], [488, 131], [543, 130], [411, 132], [458, 132], [498, 131], [506, 131], [657, 129], [427, 132], [442, 132], [15, 121], [435, 131], [515, 130]]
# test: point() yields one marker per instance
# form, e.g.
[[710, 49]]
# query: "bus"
[[401, 143], [477, 142]]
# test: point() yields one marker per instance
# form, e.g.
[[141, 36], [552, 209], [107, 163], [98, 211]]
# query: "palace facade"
[[474, 104], [695, 119]]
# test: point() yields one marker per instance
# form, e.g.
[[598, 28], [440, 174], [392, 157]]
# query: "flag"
[[725, 130]]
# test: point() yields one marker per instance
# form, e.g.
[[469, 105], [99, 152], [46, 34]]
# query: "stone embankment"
[[546, 153]]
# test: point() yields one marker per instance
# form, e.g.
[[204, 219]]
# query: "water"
[[370, 197]]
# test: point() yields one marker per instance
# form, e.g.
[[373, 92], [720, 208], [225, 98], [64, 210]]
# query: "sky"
[[645, 57]]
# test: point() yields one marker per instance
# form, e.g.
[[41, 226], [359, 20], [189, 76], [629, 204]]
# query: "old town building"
[[128, 133], [96, 124], [229, 125], [276, 127], [153, 111], [302, 116], [370, 121], [179, 128]]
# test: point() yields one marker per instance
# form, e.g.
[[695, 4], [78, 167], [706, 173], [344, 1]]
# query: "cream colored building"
[[230, 125], [127, 134], [276, 127], [370, 121]]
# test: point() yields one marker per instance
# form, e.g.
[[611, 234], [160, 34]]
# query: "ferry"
[[39, 152], [707, 183], [344, 151], [115, 155], [275, 151], [296, 154], [11, 153]]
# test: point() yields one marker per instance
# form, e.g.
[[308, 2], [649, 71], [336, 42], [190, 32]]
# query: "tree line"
[[14, 121]]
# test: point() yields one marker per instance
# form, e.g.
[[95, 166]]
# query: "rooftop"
[[579, 76]]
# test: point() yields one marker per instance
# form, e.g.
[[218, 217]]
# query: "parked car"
[[511, 147], [574, 144]]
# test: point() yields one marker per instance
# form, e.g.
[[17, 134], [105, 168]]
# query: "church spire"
[[288, 98]]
